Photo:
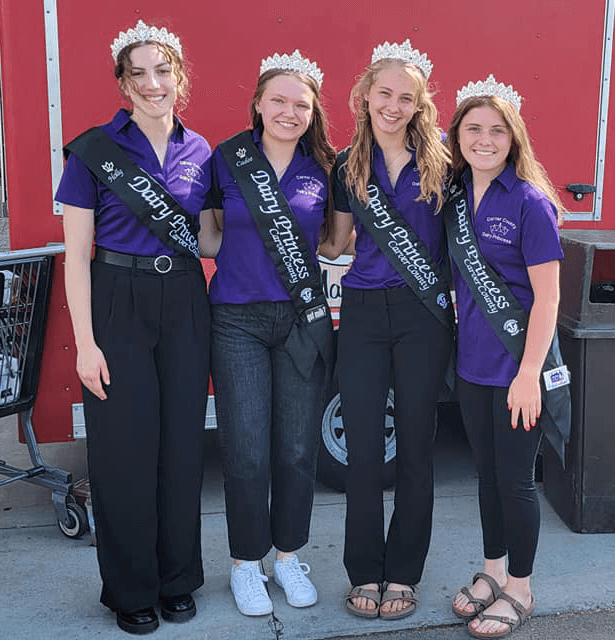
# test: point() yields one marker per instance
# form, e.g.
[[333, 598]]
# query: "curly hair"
[[521, 153], [123, 68], [422, 133]]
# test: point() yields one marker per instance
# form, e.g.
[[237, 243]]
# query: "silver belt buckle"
[[163, 264]]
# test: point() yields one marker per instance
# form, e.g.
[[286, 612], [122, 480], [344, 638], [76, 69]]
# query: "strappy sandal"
[[480, 604], [360, 592], [407, 596], [523, 614]]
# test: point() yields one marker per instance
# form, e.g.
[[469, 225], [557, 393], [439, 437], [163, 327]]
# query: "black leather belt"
[[158, 264]]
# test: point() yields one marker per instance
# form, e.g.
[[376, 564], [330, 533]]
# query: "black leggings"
[[505, 457]]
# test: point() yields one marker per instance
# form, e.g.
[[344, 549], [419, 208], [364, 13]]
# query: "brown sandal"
[[513, 623], [480, 604], [360, 592], [407, 596]]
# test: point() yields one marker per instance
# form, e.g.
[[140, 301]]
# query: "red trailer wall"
[[550, 55]]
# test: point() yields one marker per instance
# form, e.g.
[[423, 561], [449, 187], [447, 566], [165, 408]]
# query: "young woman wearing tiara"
[[395, 316], [271, 331], [504, 197], [141, 321]]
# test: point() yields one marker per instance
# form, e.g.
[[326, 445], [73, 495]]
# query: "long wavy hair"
[[422, 133], [521, 153], [123, 69]]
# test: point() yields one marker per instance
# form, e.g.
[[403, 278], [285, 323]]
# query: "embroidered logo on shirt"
[[442, 301], [310, 186], [241, 153], [499, 228], [192, 172]]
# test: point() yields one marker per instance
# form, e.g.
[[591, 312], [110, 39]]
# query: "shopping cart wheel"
[[77, 521]]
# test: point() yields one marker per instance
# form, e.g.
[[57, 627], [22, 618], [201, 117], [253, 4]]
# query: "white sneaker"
[[291, 575], [248, 587]]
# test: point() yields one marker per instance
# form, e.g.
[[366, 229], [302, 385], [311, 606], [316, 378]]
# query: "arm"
[[78, 235], [341, 237], [524, 391], [210, 234]]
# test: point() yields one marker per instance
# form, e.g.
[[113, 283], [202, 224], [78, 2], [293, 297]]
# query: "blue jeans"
[[268, 422]]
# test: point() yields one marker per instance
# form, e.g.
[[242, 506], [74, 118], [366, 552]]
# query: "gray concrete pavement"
[[50, 584]]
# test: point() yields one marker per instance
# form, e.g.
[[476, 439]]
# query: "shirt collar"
[[122, 120], [507, 178]]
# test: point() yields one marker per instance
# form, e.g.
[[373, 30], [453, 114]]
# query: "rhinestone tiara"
[[490, 87], [405, 52], [293, 62], [141, 33]]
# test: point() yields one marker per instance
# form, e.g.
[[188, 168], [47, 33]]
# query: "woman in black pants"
[[141, 320], [513, 209], [384, 326]]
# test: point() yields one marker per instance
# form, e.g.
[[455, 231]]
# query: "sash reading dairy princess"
[[271, 331], [140, 314], [506, 210], [396, 314]]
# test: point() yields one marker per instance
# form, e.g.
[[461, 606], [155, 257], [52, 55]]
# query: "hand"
[[92, 370], [524, 398]]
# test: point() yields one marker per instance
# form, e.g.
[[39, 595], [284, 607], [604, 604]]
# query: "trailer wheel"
[[332, 456], [77, 521]]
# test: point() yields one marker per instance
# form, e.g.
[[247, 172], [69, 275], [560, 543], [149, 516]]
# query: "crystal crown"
[[141, 33], [293, 62], [405, 52], [490, 87]]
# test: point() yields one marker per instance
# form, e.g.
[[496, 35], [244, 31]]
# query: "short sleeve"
[[540, 235], [215, 192], [340, 195], [78, 186]]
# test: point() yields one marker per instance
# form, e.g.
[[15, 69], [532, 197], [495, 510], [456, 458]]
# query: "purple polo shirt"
[[516, 227], [245, 271], [370, 269], [186, 175]]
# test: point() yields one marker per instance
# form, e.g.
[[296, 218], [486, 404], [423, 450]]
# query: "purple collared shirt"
[[370, 269], [185, 174], [245, 271], [516, 227]]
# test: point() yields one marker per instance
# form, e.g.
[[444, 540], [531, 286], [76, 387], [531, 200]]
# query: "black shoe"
[[138, 622], [178, 608]]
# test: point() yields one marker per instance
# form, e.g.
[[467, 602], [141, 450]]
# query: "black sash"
[[402, 247], [506, 316], [286, 243], [143, 195]]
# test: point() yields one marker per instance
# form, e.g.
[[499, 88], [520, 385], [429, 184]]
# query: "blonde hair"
[[521, 153], [123, 68], [422, 133]]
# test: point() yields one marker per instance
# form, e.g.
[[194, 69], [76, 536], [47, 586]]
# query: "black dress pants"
[[380, 330], [145, 442]]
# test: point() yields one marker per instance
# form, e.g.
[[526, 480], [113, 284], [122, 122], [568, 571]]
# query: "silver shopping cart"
[[25, 282]]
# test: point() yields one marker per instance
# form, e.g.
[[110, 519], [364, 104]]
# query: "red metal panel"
[[550, 51]]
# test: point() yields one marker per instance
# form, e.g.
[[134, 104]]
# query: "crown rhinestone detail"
[[405, 52], [490, 87], [141, 33], [293, 62]]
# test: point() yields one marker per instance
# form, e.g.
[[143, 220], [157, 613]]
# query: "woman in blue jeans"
[[268, 405]]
